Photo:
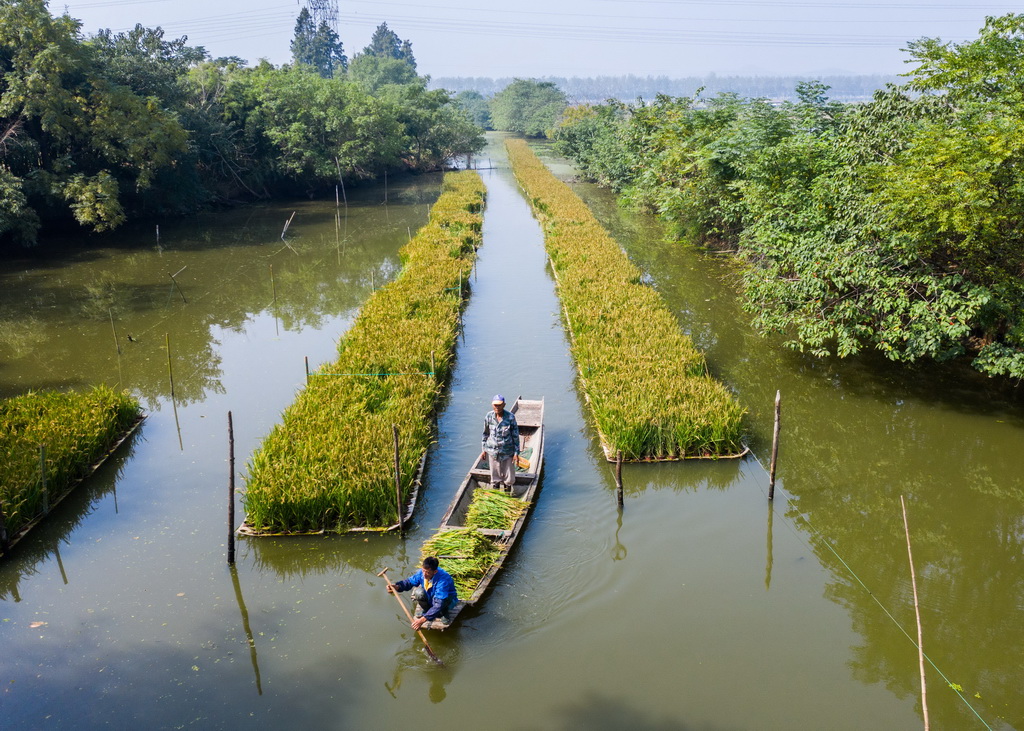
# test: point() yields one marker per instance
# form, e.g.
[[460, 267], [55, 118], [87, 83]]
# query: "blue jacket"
[[441, 593]]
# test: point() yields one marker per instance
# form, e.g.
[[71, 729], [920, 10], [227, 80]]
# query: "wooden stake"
[[273, 286], [775, 445], [178, 285], [231, 490], [398, 483], [170, 372], [917, 613], [287, 224], [114, 329], [5, 539], [618, 479], [307, 370]]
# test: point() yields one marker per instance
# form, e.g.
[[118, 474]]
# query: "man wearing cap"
[[501, 443]]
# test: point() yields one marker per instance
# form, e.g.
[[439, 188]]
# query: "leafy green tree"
[[476, 108], [318, 46], [528, 107], [375, 72]]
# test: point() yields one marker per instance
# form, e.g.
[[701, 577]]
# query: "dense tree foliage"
[[476, 107], [94, 130], [895, 225], [528, 107]]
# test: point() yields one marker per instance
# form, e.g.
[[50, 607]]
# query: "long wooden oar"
[[426, 645]]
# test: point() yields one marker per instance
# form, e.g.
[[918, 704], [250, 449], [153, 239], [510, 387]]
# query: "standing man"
[[433, 590], [501, 443]]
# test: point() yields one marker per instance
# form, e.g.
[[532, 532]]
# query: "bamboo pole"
[[618, 480], [286, 225], [114, 329], [307, 370], [426, 645], [231, 491], [273, 286], [170, 371], [775, 445], [917, 613], [398, 483], [5, 539], [178, 285]]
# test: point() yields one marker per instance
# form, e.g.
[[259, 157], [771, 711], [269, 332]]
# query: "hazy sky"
[[529, 38]]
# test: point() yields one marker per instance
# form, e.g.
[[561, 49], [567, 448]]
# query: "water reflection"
[[413, 659], [249, 638]]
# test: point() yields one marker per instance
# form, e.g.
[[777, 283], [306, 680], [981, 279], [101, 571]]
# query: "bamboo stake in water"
[[174, 403], [618, 479], [178, 285], [5, 540], [286, 225], [114, 329], [775, 445], [917, 613], [398, 483], [307, 370], [273, 286], [231, 490]]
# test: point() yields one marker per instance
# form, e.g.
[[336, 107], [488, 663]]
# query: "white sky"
[[530, 38]]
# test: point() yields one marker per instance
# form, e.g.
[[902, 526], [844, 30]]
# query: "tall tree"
[[385, 43], [529, 107], [318, 46]]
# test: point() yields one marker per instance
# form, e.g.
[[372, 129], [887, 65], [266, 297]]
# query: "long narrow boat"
[[530, 416]]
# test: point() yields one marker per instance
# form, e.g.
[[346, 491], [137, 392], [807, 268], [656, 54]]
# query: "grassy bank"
[[77, 428], [646, 383], [329, 464]]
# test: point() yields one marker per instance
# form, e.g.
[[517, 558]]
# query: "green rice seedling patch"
[[78, 429], [329, 464], [646, 383]]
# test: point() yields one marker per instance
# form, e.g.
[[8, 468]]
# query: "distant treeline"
[[629, 88], [97, 130]]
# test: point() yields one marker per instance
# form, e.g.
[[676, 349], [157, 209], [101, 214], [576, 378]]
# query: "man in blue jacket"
[[433, 591]]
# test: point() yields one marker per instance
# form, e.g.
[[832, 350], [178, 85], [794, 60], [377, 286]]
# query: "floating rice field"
[[328, 466], [646, 383], [49, 441]]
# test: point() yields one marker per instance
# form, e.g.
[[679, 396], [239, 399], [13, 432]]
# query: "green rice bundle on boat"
[[464, 553], [494, 509]]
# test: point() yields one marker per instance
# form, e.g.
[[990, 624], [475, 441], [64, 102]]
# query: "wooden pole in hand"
[[384, 574]]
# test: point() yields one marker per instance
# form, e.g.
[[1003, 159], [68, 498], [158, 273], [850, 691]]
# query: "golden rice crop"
[[464, 553], [646, 383], [77, 429], [329, 464]]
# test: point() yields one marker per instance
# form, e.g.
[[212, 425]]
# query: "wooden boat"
[[530, 416]]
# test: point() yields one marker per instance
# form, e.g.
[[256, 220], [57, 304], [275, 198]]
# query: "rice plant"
[[77, 430], [646, 383], [464, 553], [329, 464], [493, 509]]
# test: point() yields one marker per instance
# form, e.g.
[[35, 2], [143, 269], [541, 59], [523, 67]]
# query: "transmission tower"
[[323, 11]]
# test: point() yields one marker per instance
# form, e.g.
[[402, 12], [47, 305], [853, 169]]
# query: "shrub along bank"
[[329, 464], [646, 383]]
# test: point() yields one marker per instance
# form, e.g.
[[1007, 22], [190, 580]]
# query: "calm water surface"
[[700, 607]]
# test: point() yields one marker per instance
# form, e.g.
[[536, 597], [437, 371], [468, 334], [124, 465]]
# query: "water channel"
[[699, 607]]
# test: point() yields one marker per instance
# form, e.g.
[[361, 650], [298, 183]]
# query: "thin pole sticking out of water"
[[307, 370], [618, 480], [231, 491], [273, 286], [120, 376], [178, 285], [5, 539], [775, 445], [174, 403], [917, 613], [398, 483], [385, 187], [158, 235], [286, 225], [341, 181]]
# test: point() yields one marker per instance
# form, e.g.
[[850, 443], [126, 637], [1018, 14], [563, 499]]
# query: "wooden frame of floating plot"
[[73, 434], [329, 465], [646, 384]]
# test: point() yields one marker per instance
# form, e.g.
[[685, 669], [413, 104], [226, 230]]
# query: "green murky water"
[[699, 607]]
